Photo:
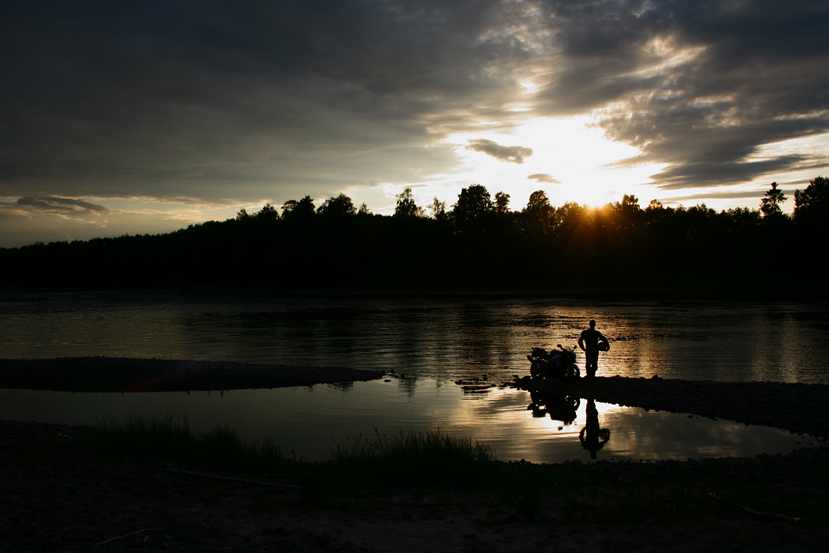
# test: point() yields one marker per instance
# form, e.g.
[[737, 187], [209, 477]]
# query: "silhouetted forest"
[[478, 243]]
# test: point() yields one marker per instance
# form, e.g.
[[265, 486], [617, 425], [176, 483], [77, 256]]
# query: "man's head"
[[592, 324]]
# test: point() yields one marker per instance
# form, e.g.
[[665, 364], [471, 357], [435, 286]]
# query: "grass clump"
[[172, 438], [413, 457], [405, 458]]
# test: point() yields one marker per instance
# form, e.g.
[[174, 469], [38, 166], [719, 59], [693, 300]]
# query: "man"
[[589, 344]]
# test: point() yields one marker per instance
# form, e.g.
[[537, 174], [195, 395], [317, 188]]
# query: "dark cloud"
[[701, 86], [514, 154], [207, 100], [218, 101], [57, 205], [544, 177]]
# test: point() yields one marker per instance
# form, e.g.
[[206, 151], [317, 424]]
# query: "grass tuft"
[[404, 458], [411, 457], [173, 438]]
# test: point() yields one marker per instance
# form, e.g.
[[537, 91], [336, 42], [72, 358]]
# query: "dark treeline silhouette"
[[478, 243]]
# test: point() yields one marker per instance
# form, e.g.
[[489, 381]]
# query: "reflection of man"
[[592, 437], [589, 344]]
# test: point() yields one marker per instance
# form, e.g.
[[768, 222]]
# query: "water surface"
[[437, 337], [433, 341], [310, 419]]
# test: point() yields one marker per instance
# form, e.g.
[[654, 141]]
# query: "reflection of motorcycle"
[[557, 363], [558, 406]]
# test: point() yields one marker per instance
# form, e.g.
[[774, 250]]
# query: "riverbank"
[[110, 374], [798, 408], [66, 498]]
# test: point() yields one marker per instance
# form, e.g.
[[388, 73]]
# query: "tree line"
[[479, 242]]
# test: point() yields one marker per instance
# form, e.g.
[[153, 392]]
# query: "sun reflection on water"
[[310, 419]]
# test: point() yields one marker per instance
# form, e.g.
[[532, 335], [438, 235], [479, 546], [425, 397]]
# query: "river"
[[429, 342]]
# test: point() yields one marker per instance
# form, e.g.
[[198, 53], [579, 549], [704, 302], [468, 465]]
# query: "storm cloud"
[[223, 102]]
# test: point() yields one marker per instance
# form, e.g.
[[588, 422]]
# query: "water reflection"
[[592, 437], [310, 419], [559, 406]]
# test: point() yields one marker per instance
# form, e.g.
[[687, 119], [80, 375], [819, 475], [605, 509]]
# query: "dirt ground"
[[57, 496]]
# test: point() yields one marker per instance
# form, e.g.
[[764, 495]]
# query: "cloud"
[[747, 194], [701, 88], [514, 154], [236, 101], [155, 99], [28, 219], [544, 177], [59, 205]]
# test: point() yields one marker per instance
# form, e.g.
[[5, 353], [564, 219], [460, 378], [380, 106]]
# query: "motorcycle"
[[556, 363]]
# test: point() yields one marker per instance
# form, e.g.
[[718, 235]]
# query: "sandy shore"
[[109, 374]]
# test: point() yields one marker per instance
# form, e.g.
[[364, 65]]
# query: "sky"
[[145, 117]]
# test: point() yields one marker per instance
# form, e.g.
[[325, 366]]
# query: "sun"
[[571, 160]]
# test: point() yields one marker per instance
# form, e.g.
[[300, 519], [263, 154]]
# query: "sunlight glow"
[[571, 150]]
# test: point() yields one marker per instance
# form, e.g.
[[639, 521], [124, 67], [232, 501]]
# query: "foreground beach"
[[59, 496]]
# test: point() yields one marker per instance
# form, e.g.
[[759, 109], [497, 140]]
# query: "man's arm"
[[581, 341]]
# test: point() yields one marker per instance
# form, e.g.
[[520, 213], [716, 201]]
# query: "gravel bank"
[[108, 374], [798, 408]]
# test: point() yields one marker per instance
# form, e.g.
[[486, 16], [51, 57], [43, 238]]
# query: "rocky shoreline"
[[114, 374]]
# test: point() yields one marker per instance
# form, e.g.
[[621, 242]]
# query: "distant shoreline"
[[752, 294]]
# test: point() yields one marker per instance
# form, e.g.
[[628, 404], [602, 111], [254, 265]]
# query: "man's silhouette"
[[589, 343]]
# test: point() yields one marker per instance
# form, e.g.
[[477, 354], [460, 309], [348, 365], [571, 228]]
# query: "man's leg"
[[591, 365]]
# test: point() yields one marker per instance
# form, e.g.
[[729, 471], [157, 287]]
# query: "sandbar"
[[116, 374]]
